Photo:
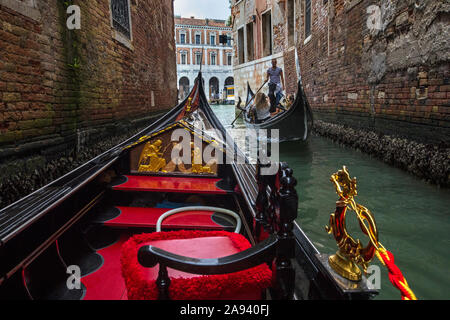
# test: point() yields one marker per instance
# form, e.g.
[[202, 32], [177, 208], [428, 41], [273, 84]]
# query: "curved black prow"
[[250, 95], [308, 114], [238, 106]]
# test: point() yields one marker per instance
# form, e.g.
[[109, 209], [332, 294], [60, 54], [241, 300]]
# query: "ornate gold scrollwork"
[[351, 253], [152, 160]]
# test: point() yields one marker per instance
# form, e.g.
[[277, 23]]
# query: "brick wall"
[[56, 83], [393, 79], [290, 72]]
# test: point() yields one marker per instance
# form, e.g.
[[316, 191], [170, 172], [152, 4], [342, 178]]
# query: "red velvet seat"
[[141, 282]]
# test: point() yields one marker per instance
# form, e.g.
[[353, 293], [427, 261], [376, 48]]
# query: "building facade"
[[195, 37], [263, 30], [378, 65]]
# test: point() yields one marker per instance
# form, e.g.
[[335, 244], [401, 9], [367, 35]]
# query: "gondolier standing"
[[276, 85]]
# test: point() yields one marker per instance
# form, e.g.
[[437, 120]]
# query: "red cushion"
[[242, 285]]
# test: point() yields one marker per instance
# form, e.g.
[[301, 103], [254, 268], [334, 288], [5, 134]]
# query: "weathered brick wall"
[[290, 72], [66, 96], [392, 79], [56, 84]]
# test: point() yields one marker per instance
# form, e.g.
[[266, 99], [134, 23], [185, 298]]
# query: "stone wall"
[[24, 175], [389, 75], [63, 90], [56, 83], [426, 161]]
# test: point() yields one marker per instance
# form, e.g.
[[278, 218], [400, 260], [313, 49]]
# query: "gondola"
[[294, 123], [133, 224]]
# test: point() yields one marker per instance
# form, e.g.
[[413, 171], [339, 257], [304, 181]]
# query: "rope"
[[395, 275], [386, 257]]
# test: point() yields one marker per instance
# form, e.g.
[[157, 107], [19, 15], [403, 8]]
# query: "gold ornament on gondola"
[[351, 253], [151, 160], [196, 158], [189, 105]]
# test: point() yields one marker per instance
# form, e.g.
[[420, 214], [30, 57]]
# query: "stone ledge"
[[425, 161], [420, 132], [123, 40], [27, 9]]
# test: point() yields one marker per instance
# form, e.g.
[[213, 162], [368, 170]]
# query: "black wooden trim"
[[150, 256]]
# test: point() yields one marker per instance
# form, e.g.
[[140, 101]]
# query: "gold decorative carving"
[[151, 160], [351, 253], [196, 161]]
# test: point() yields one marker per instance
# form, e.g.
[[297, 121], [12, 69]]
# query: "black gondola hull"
[[293, 124], [34, 230]]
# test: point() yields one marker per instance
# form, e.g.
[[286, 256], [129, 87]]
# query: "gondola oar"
[[249, 102]]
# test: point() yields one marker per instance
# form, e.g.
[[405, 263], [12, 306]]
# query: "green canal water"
[[413, 217]]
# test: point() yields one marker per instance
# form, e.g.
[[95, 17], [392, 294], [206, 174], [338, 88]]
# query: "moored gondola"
[[293, 123], [133, 223]]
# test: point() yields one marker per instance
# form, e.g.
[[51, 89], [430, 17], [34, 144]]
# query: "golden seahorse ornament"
[[351, 252]]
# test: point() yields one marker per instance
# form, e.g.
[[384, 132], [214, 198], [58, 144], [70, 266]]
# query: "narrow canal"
[[412, 216]]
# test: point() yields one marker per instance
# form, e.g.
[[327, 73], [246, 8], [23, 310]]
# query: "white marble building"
[[194, 36]]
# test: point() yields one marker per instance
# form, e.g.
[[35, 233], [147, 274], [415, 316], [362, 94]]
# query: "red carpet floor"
[[107, 283]]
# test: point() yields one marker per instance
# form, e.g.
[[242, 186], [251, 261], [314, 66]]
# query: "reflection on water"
[[413, 217]]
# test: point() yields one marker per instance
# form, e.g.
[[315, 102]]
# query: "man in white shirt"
[[276, 85]]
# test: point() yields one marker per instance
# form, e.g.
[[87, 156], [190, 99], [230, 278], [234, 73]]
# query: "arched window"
[[213, 88], [229, 81], [183, 87]]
